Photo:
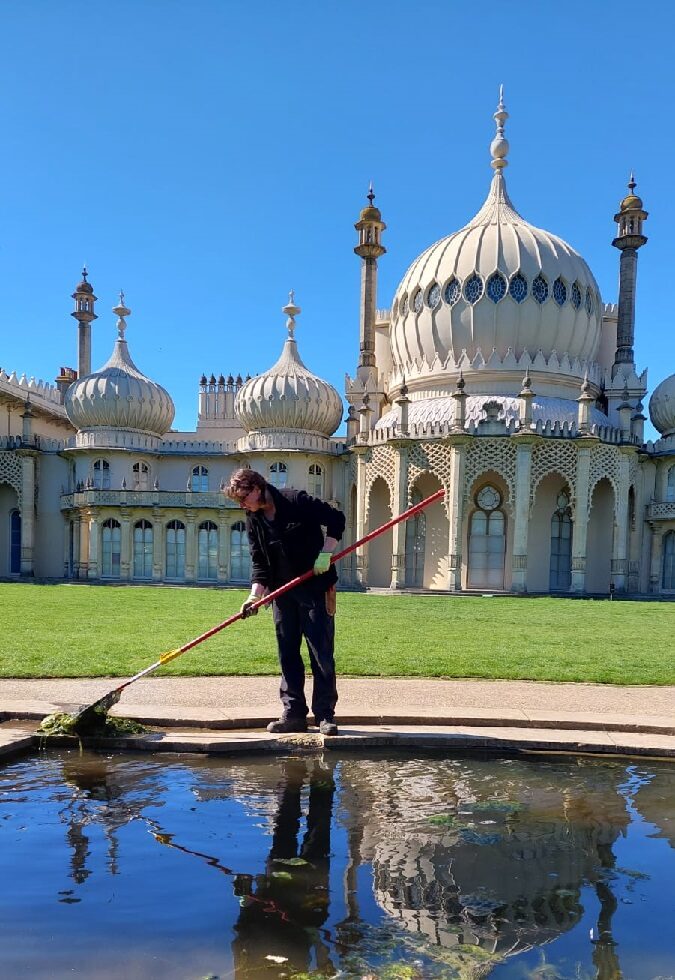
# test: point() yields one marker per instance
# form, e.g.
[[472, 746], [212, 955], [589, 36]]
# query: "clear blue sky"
[[208, 155]]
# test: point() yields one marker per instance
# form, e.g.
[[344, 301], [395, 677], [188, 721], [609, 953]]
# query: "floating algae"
[[95, 723]]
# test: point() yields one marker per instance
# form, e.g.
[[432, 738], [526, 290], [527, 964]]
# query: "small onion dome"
[[84, 286], [371, 213], [662, 407], [289, 395], [631, 201], [118, 396]]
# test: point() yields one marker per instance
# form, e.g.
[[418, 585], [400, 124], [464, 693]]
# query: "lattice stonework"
[[381, 462], [429, 457], [498, 455], [10, 472], [553, 456], [604, 463]]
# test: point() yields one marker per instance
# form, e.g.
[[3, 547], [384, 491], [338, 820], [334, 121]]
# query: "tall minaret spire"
[[628, 240], [84, 314], [370, 227]]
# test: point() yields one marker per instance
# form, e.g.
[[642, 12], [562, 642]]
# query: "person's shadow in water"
[[283, 909]]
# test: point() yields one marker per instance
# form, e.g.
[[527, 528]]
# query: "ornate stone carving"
[[553, 456], [10, 472], [498, 455]]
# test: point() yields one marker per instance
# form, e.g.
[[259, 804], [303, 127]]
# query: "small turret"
[[84, 314], [629, 219]]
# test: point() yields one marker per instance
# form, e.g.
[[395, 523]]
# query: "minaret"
[[84, 314], [370, 227], [628, 240]]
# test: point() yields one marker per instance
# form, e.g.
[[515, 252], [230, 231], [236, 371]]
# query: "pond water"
[[391, 867]]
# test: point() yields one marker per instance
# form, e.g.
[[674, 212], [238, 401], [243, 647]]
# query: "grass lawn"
[[92, 631]]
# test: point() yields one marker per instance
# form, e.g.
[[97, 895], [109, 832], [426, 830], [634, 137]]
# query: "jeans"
[[302, 612]]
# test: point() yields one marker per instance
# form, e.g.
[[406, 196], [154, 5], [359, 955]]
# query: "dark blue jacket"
[[299, 520]]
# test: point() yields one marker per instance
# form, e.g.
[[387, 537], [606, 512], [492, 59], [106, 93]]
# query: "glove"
[[247, 607], [322, 563]]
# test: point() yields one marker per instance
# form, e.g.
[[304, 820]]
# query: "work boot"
[[287, 724], [328, 727]]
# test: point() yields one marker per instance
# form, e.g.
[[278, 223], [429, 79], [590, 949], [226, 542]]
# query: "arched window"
[[560, 568], [278, 475], [668, 577], [111, 540], [487, 541], [143, 547], [200, 478], [141, 476], [315, 481], [240, 559], [101, 471], [175, 550], [208, 551], [15, 542], [670, 485], [415, 540]]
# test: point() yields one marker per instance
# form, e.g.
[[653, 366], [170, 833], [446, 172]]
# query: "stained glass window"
[[496, 287], [576, 295], [540, 289], [434, 295], [451, 292], [518, 287], [559, 291], [473, 288], [417, 301], [589, 302]]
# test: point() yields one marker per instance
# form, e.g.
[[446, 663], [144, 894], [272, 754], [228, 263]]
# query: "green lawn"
[[91, 631]]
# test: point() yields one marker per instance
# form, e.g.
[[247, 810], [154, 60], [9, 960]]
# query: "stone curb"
[[506, 740]]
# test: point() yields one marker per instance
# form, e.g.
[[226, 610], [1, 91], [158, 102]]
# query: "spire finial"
[[84, 272], [500, 145], [631, 183], [121, 311], [291, 311], [371, 193]]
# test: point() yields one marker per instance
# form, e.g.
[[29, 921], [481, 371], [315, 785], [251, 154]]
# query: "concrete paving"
[[229, 714]]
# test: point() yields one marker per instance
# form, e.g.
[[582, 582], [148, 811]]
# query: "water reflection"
[[284, 908], [360, 865]]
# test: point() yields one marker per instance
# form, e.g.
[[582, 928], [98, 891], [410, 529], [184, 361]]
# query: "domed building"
[[498, 374]]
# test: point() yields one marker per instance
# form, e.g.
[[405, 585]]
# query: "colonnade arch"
[[10, 520], [549, 555], [380, 548], [600, 537], [427, 539]]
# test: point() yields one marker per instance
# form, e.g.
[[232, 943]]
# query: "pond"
[[394, 867]]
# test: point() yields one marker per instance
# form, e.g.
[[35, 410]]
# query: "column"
[[92, 567], [75, 517], [158, 534], [190, 548], [619, 576], [580, 525], [456, 515], [521, 516], [84, 545], [399, 504], [657, 553], [27, 513], [223, 548], [126, 546], [66, 544], [362, 552]]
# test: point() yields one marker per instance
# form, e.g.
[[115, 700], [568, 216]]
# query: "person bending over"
[[286, 539]]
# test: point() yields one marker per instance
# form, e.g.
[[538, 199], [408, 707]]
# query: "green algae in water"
[[96, 722]]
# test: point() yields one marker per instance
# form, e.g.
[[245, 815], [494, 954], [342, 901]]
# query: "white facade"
[[498, 374]]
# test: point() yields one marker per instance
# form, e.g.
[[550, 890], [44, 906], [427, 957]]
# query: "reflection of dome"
[[288, 395], [118, 397], [662, 407], [497, 284]]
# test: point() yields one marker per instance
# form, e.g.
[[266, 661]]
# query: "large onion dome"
[[662, 407], [497, 289], [117, 405], [289, 395]]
